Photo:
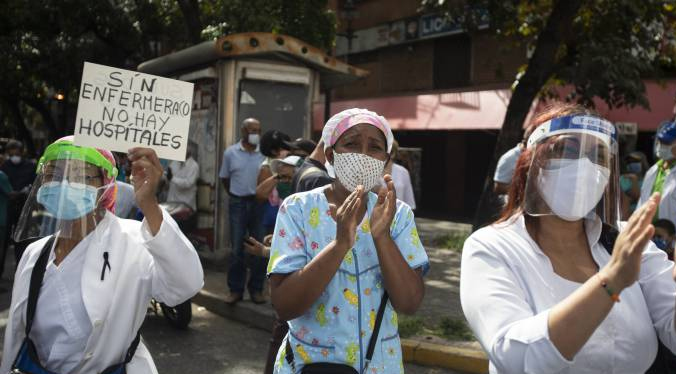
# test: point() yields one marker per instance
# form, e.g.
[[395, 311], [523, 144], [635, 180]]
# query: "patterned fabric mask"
[[354, 169]]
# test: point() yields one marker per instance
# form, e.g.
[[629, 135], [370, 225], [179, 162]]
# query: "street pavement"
[[216, 345]]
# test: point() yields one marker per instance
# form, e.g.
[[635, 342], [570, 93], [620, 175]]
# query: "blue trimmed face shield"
[[573, 172]]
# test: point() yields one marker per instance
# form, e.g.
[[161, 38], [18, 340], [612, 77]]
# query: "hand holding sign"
[[120, 109], [146, 173]]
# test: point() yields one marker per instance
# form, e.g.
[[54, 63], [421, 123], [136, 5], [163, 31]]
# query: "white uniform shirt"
[[504, 171], [61, 326], [164, 267], [183, 184], [667, 208], [508, 286], [402, 185]]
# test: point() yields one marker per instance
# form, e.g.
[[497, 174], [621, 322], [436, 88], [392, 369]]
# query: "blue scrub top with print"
[[338, 326]]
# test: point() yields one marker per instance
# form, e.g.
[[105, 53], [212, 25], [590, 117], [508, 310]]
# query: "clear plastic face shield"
[[70, 194], [574, 170]]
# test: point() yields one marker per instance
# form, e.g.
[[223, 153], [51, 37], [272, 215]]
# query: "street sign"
[[121, 109]]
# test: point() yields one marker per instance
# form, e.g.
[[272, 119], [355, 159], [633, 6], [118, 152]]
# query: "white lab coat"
[[165, 267], [667, 208]]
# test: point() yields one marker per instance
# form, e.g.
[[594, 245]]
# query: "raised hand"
[[625, 264], [146, 174], [384, 210], [347, 218]]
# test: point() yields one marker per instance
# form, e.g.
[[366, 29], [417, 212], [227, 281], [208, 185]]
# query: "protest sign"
[[121, 109]]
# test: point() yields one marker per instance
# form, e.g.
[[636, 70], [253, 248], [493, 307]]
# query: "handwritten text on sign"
[[120, 109]]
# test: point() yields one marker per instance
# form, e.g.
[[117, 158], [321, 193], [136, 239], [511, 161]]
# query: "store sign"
[[433, 24], [403, 31]]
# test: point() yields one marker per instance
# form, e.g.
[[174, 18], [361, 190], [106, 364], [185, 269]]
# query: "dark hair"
[[272, 142], [517, 189], [13, 144], [305, 145], [667, 225]]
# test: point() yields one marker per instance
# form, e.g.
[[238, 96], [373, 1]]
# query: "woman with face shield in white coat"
[[541, 288], [81, 291]]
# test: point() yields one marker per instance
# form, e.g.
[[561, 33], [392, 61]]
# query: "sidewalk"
[[428, 338]]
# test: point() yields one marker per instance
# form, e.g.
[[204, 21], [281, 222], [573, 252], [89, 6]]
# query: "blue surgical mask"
[[66, 200]]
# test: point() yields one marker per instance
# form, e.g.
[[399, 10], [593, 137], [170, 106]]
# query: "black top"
[[310, 175], [20, 175]]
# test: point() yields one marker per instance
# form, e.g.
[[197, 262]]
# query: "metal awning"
[[333, 72]]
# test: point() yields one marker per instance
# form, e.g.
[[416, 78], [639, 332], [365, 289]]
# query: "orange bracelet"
[[613, 295]]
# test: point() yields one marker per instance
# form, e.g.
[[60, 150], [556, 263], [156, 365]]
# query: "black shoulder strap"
[[608, 237], [376, 328], [37, 275], [372, 342]]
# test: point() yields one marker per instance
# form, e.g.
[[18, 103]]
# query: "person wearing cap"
[[504, 171], [302, 147], [239, 172], [81, 293], [338, 249], [659, 178], [313, 172], [276, 188], [552, 286]]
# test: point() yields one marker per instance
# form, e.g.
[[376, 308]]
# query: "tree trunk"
[[191, 14], [541, 67], [24, 134]]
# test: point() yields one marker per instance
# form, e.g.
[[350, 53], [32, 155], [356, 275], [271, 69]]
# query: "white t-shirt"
[[402, 185], [183, 184], [505, 169], [508, 286]]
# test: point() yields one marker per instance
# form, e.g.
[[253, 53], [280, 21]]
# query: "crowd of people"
[[574, 276]]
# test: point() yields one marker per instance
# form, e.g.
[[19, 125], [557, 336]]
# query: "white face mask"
[[253, 139], [663, 151], [572, 188], [15, 159], [354, 169]]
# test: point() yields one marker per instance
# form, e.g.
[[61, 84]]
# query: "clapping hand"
[[347, 218], [625, 264], [384, 210]]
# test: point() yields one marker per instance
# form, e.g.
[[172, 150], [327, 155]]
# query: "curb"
[[427, 354], [445, 356]]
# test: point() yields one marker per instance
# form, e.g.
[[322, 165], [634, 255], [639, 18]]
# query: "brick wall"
[[495, 60]]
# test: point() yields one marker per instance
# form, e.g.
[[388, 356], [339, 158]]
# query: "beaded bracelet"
[[613, 295]]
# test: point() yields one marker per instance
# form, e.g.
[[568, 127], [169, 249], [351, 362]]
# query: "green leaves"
[[611, 46], [46, 41]]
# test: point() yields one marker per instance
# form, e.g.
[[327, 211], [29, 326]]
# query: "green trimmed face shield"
[[71, 193], [65, 150]]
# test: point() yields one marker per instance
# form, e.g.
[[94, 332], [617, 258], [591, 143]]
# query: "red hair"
[[517, 188]]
